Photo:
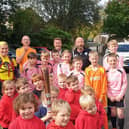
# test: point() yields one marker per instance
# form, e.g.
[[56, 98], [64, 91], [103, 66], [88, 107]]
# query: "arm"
[[87, 78], [124, 85], [4, 116], [104, 87], [20, 56]]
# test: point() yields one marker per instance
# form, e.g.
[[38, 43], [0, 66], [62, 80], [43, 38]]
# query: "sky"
[[103, 1]]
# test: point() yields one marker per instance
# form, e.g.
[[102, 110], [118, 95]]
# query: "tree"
[[25, 21], [7, 8], [67, 14], [117, 19]]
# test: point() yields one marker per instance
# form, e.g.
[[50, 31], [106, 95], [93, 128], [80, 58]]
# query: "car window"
[[123, 48]]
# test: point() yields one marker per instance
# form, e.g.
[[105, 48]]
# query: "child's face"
[[74, 85], [91, 108], [24, 89], [62, 117], [4, 50], [112, 61], [113, 48], [66, 57], [61, 83], [32, 61], [77, 65], [54, 96], [56, 56], [93, 59], [9, 89], [44, 60], [27, 112], [38, 84]]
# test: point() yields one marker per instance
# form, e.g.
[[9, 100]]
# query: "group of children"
[[78, 98]]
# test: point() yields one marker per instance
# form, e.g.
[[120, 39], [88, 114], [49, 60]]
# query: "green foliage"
[[117, 20], [25, 22], [7, 8], [46, 36]]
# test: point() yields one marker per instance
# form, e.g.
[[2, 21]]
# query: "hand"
[[25, 49], [118, 98], [112, 99]]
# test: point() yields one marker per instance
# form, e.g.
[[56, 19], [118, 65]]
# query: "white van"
[[123, 50]]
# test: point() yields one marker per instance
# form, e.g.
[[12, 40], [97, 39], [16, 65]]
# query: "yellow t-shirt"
[[7, 68]]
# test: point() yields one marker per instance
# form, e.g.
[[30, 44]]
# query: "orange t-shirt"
[[97, 79], [19, 52]]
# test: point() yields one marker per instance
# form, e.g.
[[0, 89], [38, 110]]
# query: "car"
[[123, 50], [12, 53]]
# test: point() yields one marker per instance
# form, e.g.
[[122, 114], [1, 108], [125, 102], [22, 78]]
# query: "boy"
[[72, 96], [112, 48], [95, 76], [61, 115], [38, 84], [88, 116], [31, 67], [22, 85], [117, 85], [62, 85]]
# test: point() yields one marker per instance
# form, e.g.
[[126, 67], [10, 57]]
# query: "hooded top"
[[52, 125]]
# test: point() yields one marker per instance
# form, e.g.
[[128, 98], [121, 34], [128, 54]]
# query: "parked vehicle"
[[123, 50]]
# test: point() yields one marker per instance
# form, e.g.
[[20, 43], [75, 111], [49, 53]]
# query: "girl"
[[25, 105], [77, 70], [64, 66], [6, 103]]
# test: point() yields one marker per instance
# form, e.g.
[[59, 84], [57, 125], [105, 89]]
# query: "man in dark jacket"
[[80, 50]]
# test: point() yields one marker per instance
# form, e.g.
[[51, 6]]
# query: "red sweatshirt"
[[6, 109], [34, 123], [62, 93], [52, 125], [72, 97], [87, 121]]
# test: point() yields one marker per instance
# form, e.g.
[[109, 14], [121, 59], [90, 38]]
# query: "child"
[[22, 85], [43, 109], [45, 59], [55, 57], [61, 114], [88, 90], [31, 67], [95, 76], [62, 85], [45, 64], [55, 61], [77, 70], [38, 84], [117, 84], [6, 103], [25, 105], [112, 48], [65, 66], [54, 93], [88, 116], [72, 96]]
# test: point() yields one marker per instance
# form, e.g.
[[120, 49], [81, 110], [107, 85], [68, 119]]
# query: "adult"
[[57, 43], [7, 64], [22, 53], [81, 50]]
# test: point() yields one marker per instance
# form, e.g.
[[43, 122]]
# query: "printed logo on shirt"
[[95, 78]]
